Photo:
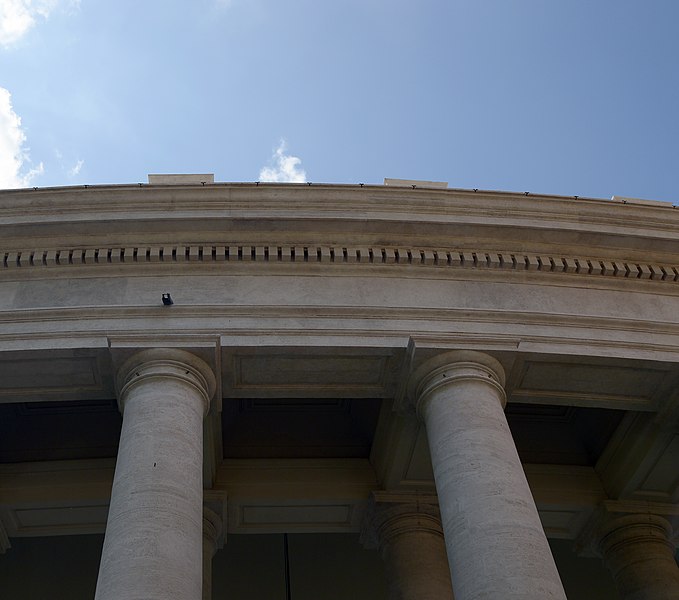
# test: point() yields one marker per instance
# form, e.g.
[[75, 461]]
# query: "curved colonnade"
[[440, 293]]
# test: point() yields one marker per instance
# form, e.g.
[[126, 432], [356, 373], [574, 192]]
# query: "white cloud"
[[75, 169], [14, 158], [285, 169], [17, 17]]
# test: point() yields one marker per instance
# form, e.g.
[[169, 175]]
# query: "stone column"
[[212, 529], [410, 540], [496, 545], [638, 552], [153, 543]]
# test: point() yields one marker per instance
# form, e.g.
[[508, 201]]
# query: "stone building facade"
[[415, 385]]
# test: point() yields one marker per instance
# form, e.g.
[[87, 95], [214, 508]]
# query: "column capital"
[[614, 521], [212, 528], [449, 368], [4, 539], [638, 550], [392, 514], [166, 363], [406, 527], [634, 529]]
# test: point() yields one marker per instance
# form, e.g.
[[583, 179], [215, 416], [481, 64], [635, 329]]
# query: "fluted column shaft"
[[496, 545], [153, 543], [638, 552], [412, 546]]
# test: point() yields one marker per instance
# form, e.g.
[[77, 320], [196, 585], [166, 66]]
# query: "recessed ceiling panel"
[[309, 373], [591, 385], [54, 375]]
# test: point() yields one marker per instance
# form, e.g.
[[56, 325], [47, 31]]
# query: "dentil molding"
[[409, 257]]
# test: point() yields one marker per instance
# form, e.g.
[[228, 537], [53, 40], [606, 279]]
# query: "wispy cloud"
[[75, 169], [15, 171], [17, 17], [284, 168]]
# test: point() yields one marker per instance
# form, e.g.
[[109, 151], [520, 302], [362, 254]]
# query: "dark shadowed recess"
[[299, 427], [561, 435], [35, 431], [291, 428]]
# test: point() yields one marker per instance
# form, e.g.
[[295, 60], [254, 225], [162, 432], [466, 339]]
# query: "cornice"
[[346, 206]]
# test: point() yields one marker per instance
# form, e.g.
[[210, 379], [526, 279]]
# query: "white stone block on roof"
[[181, 178]]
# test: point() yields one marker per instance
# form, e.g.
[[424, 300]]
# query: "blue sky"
[[558, 97]]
